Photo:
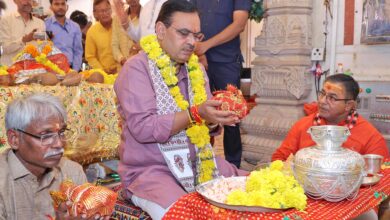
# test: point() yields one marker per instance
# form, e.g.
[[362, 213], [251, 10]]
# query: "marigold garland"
[[270, 187], [3, 70], [42, 57], [197, 133], [108, 78]]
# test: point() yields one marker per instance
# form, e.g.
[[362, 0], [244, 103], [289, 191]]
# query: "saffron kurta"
[[364, 139], [142, 167]]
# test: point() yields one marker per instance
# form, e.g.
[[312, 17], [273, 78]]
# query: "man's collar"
[[17, 15], [16, 167], [18, 170], [53, 20]]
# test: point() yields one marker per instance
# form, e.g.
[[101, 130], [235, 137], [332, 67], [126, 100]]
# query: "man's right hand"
[[123, 61], [29, 37], [209, 112], [112, 71], [62, 214]]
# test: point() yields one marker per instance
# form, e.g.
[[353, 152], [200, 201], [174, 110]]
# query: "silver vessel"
[[329, 171]]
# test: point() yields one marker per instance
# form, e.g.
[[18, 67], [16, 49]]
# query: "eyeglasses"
[[198, 36], [50, 138], [329, 98], [104, 11]]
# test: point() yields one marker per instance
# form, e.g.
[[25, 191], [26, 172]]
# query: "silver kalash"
[[329, 171]]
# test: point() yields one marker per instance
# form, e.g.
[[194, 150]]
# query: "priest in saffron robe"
[[337, 103]]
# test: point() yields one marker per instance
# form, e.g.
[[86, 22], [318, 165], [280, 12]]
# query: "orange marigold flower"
[[32, 50], [47, 49]]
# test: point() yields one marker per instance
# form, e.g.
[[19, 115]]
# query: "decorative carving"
[[296, 32], [295, 81], [282, 82], [279, 78], [276, 32], [287, 3]]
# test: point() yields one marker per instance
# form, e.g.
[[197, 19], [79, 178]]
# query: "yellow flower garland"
[[3, 70], [197, 133], [108, 78]]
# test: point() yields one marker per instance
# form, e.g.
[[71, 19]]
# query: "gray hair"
[[22, 111]]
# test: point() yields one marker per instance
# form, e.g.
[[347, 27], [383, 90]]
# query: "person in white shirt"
[[147, 19], [19, 28]]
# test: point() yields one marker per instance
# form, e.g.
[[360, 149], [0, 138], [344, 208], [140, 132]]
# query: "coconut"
[[47, 79], [95, 77], [71, 79]]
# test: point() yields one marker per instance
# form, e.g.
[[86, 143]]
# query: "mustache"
[[190, 47], [53, 153]]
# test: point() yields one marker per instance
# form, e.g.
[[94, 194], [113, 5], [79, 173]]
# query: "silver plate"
[[370, 180], [203, 188]]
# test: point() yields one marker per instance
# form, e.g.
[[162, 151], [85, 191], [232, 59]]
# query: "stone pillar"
[[280, 78]]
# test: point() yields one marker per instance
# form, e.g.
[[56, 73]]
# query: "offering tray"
[[215, 192]]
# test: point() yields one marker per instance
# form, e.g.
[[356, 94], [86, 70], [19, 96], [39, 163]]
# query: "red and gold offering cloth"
[[232, 100], [37, 59], [86, 199]]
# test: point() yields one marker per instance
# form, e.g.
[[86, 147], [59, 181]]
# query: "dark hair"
[[172, 6], [96, 2], [2, 5], [350, 85], [51, 1], [80, 18]]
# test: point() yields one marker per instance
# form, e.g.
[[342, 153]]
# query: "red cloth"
[[193, 206], [364, 139], [310, 108], [59, 59]]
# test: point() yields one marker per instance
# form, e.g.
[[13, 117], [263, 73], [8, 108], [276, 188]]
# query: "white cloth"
[[176, 151], [12, 29], [147, 20], [153, 209]]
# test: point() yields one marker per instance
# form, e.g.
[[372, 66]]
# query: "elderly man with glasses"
[[163, 96], [337, 103], [34, 165]]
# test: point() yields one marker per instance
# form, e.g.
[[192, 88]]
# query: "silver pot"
[[329, 171]]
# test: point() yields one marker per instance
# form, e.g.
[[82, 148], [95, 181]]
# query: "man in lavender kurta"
[[146, 177]]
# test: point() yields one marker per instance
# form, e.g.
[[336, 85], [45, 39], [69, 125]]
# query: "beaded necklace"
[[350, 122]]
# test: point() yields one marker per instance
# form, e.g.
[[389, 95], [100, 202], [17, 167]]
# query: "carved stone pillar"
[[280, 78]]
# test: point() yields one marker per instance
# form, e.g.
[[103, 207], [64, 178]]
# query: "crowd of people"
[[102, 45], [163, 91]]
